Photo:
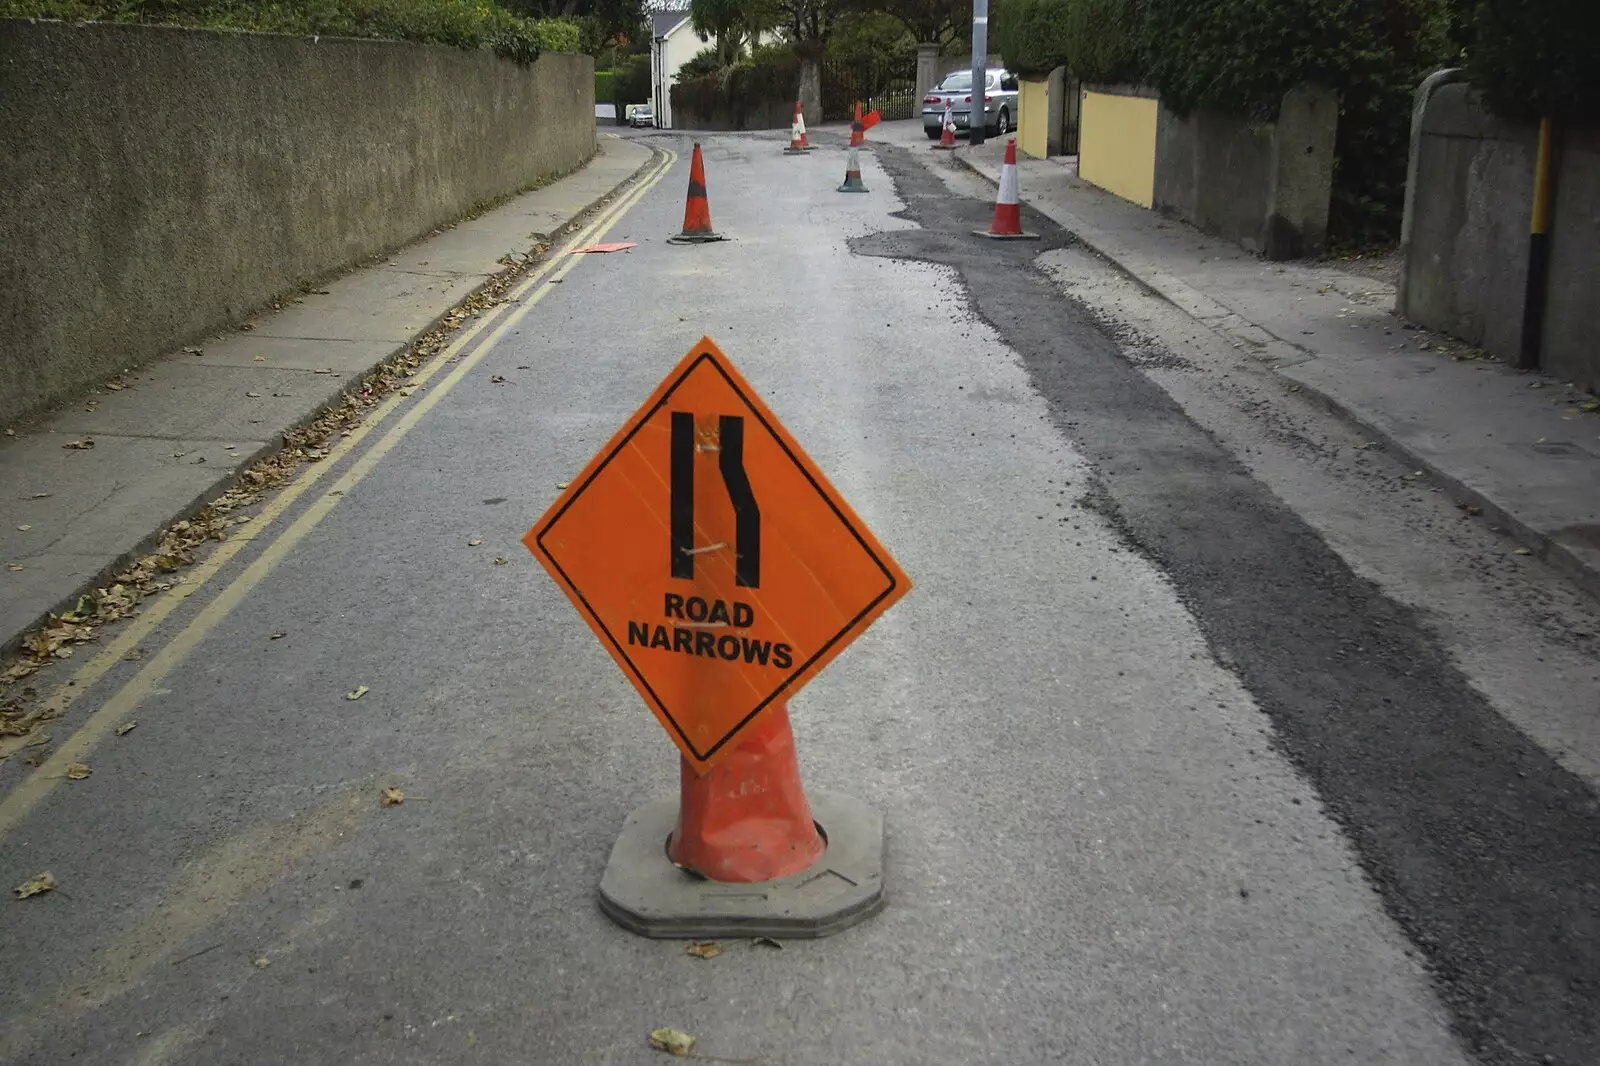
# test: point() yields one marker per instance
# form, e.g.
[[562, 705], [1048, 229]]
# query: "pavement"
[[170, 435], [1201, 736], [1514, 444]]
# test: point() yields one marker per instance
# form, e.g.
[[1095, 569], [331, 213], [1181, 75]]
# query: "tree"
[[732, 23], [930, 21], [610, 17]]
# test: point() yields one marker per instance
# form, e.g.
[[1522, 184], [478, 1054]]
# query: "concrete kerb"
[[1268, 347], [11, 642]]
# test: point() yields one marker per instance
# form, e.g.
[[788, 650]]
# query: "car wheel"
[[933, 133], [1003, 123]]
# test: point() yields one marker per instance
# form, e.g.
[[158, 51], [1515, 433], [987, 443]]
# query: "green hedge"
[[1537, 58], [459, 23], [630, 82], [1033, 36], [740, 89], [602, 86]]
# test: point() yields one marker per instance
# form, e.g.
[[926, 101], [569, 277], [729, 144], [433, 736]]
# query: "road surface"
[[1204, 737]]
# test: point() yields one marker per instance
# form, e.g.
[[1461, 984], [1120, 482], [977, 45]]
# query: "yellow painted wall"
[[1117, 145], [1033, 118]]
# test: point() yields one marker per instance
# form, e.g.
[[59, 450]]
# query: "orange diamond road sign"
[[712, 558]]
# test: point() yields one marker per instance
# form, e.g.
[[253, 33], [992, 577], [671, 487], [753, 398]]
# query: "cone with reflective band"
[[852, 173], [797, 133], [947, 137], [697, 211], [747, 819], [1007, 224], [860, 124]]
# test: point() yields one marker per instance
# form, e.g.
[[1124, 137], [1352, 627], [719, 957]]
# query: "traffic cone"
[[1007, 224], [697, 211], [852, 173], [798, 145], [947, 138], [748, 818], [860, 124]]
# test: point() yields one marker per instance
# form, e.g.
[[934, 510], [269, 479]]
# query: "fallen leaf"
[[361, 690], [194, 351], [474, 542], [277, 636], [126, 728], [23, 529], [253, 395], [79, 445], [262, 963], [1521, 551], [77, 771], [115, 386], [499, 560], [259, 358], [706, 949], [392, 797], [562, 484], [14, 567], [766, 942], [616, 246], [498, 379], [323, 370], [36, 886], [671, 1041], [248, 326], [409, 389], [43, 495]]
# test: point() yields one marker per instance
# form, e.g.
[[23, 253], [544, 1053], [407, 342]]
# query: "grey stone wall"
[[1265, 185], [1466, 232], [162, 183]]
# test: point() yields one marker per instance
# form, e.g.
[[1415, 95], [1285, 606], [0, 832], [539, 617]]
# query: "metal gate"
[[888, 86], [1071, 114]]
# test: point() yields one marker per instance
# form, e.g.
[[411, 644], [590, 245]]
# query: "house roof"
[[662, 23]]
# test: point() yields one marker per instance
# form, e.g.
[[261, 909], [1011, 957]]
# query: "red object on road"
[[747, 819], [697, 210], [797, 133], [1007, 224], [860, 125]]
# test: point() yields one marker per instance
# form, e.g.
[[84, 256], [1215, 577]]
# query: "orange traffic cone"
[[798, 145], [947, 137], [697, 211], [852, 173], [1007, 224], [860, 124], [748, 818]]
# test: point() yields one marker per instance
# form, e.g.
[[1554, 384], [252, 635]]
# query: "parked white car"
[[999, 103]]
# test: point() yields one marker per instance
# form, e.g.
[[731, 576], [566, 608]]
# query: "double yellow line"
[[522, 299]]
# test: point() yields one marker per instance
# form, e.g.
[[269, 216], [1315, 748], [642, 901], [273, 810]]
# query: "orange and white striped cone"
[[798, 145], [947, 137], [697, 210], [1007, 224], [852, 173]]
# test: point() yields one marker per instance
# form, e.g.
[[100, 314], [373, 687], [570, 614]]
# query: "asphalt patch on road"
[[1484, 849]]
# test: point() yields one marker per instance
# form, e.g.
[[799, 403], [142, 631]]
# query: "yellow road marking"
[[33, 788]]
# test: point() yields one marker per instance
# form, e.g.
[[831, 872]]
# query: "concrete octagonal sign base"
[[644, 892]]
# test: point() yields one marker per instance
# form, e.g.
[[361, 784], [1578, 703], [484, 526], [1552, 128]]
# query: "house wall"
[[1117, 142]]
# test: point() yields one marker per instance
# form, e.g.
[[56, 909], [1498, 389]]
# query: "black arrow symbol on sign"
[[746, 513]]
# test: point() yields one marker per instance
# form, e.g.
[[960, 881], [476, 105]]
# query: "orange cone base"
[[705, 237], [747, 819]]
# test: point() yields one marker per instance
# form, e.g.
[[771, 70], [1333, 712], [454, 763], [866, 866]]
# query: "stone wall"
[[162, 183], [1266, 185], [1466, 232]]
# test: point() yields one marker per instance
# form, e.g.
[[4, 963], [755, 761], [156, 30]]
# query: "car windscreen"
[[954, 83]]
